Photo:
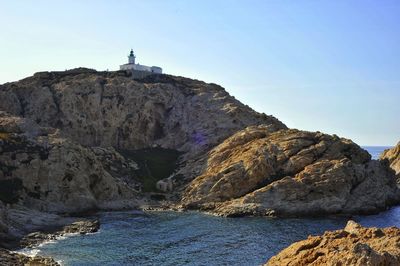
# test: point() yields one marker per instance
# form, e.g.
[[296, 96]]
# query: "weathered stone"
[[8, 258], [362, 246], [259, 171], [53, 174], [107, 109]]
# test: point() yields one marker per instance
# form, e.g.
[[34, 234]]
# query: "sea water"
[[193, 238]]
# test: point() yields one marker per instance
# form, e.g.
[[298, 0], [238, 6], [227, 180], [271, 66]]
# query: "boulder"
[[261, 171], [354, 245]]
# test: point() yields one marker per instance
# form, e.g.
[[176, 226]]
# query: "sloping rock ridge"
[[354, 245], [261, 171], [393, 157]]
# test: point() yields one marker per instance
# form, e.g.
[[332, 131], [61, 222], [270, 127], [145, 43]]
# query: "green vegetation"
[[154, 164]]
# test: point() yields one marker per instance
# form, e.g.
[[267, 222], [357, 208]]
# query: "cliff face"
[[110, 109], [261, 171], [393, 157], [50, 173], [61, 134], [354, 245]]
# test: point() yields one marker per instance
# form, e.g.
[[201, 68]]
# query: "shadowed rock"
[[393, 157]]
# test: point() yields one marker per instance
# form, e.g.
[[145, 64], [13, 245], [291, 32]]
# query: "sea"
[[194, 238]]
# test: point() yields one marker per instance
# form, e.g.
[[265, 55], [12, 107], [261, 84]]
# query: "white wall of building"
[[138, 67]]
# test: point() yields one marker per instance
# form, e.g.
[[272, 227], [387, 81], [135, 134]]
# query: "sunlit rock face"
[[393, 157], [261, 171], [354, 245], [112, 109]]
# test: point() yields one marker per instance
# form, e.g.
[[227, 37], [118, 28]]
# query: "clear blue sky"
[[332, 66]]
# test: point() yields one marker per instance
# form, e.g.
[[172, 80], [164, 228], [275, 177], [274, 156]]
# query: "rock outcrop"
[[261, 171], [8, 258], [46, 172], [80, 227], [393, 157], [355, 245]]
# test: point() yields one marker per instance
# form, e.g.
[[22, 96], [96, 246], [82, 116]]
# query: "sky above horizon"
[[329, 66]]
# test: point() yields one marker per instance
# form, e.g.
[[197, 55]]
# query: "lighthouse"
[[139, 70], [131, 57]]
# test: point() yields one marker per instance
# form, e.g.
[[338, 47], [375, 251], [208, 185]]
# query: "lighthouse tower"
[[131, 57]]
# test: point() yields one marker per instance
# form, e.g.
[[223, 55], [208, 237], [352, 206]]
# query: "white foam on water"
[[28, 252]]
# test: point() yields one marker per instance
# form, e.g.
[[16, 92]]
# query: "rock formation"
[[355, 245], [80, 140], [8, 258], [261, 171], [393, 157], [111, 109], [52, 124], [80, 227], [49, 173]]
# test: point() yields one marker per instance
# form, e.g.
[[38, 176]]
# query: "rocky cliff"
[[354, 245], [60, 132], [262, 171], [52, 174], [111, 109], [78, 140], [393, 157]]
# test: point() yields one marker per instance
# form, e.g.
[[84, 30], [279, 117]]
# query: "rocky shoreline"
[[34, 239], [9, 258]]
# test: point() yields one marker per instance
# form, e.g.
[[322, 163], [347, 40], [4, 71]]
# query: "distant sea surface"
[[375, 151], [193, 238]]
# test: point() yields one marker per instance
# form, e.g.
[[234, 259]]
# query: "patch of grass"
[[154, 164]]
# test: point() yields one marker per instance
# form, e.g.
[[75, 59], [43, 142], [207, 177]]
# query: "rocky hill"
[[52, 123], [110, 109], [354, 245]]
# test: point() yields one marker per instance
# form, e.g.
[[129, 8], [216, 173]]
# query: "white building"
[[131, 66]]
